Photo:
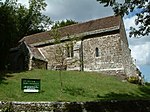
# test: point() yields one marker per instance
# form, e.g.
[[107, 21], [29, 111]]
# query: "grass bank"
[[77, 86]]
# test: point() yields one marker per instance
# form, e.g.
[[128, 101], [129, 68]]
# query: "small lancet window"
[[70, 52], [97, 52]]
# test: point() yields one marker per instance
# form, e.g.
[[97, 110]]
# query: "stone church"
[[98, 45]]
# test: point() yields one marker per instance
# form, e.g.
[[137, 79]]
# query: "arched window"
[[97, 52]]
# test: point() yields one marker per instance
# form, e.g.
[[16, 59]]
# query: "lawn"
[[76, 86]]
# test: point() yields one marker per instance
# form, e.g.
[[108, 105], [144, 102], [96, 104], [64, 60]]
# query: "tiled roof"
[[36, 53], [99, 24]]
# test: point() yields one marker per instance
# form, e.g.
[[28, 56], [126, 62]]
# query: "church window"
[[70, 52], [97, 52]]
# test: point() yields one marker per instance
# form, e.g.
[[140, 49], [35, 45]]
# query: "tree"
[[17, 21], [143, 17], [60, 53], [63, 23], [63, 52], [7, 30]]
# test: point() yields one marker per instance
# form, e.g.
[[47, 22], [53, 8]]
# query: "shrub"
[[133, 79]]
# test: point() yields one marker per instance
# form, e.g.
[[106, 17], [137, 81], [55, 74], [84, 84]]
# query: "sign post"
[[30, 85]]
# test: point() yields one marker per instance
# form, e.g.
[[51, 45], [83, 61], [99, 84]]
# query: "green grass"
[[77, 86]]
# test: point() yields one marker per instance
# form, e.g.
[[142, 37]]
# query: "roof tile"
[[92, 25]]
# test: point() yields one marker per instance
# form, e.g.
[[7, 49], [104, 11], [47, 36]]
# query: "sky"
[[85, 10]]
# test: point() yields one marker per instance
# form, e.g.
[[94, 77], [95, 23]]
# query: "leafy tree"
[[127, 6], [63, 52], [59, 53], [63, 23], [17, 21], [7, 30]]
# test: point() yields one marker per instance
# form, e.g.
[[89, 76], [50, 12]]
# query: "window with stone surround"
[[97, 52], [70, 52]]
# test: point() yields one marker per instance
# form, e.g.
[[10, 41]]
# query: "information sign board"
[[30, 85]]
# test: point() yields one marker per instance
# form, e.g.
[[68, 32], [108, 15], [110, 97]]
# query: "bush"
[[133, 79]]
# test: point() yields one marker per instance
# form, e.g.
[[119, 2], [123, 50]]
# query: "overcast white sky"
[[85, 10]]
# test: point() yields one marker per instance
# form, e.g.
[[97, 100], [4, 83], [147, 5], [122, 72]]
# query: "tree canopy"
[[63, 23], [127, 6], [17, 21]]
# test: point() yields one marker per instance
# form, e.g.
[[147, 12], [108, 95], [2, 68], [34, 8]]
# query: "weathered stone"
[[99, 45], [93, 106]]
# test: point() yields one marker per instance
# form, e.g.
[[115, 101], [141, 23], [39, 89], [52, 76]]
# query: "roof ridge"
[[88, 26], [87, 21], [73, 25]]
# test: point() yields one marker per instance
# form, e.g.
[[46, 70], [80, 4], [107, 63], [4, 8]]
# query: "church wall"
[[38, 64], [49, 53], [19, 58], [114, 56], [129, 65], [109, 59], [130, 68], [57, 56]]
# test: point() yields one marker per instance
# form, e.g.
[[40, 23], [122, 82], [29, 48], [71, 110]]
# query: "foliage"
[[133, 79], [60, 49], [143, 17], [60, 52], [77, 86], [17, 21], [63, 23]]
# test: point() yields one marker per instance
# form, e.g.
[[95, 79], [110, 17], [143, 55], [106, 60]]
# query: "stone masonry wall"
[[95, 106], [19, 59], [39, 64], [130, 68], [52, 53], [129, 65], [114, 55], [109, 59]]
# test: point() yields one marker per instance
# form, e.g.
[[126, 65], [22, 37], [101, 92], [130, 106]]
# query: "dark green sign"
[[30, 85]]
